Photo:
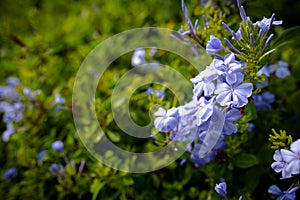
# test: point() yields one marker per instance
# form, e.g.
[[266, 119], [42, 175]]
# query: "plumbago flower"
[[57, 169], [219, 93], [58, 146], [214, 45], [166, 120], [204, 81], [230, 117], [221, 189], [288, 161], [281, 70], [266, 23], [283, 195], [280, 164], [10, 173], [264, 101], [249, 43], [234, 93], [12, 106]]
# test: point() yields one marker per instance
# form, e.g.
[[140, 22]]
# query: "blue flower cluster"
[[264, 101], [219, 93], [281, 70], [158, 93], [239, 37], [58, 169], [12, 110], [11, 106], [139, 58], [288, 163]]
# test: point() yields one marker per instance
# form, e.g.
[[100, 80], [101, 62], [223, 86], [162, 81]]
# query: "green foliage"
[[287, 37], [280, 140], [43, 43]]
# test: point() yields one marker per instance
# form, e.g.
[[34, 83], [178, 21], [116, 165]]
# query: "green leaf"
[[252, 177], [245, 160], [70, 170], [114, 137], [128, 181], [96, 186], [250, 111], [288, 36]]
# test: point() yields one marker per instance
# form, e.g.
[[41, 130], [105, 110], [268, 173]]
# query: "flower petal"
[[274, 189]]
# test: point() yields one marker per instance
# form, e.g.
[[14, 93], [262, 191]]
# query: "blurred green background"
[[43, 42]]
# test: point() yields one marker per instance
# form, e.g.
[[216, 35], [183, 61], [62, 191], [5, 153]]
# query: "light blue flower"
[[13, 112], [57, 169], [229, 64], [280, 163], [81, 166], [13, 81], [59, 99], [236, 35], [229, 67], [242, 11], [166, 120], [217, 146], [204, 82], [187, 126], [264, 101], [149, 91], [41, 155], [31, 94], [214, 45], [231, 116], [160, 94], [185, 131], [293, 158], [203, 160], [203, 112], [9, 93], [266, 70], [8, 132], [239, 34], [250, 126], [265, 23], [10, 173], [192, 28], [221, 189], [28, 93], [262, 84], [235, 94], [282, 195], [282, 69], [3, 106], [58, 146], [203, 2], [138, 57]]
